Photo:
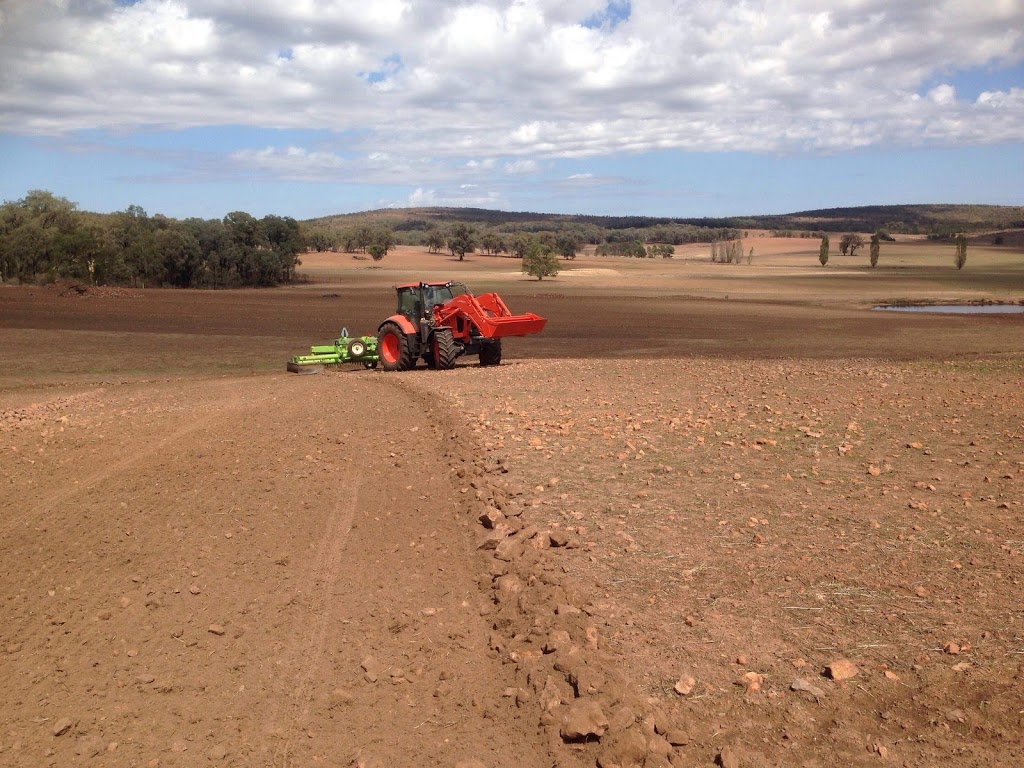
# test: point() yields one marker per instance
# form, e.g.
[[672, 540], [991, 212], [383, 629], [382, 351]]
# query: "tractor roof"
[[424, 282]]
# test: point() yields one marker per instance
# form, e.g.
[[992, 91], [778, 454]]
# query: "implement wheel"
[[356, 348], [490, 352], [445, 349], [393, 348]]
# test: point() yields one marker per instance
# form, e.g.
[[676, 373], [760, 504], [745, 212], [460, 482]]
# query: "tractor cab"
[[417, 301]]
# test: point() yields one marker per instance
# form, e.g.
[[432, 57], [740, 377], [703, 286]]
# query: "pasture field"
[[712, 513]]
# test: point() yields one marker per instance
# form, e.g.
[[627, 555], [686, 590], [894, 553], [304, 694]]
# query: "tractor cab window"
[[409, 303], [439, 294]]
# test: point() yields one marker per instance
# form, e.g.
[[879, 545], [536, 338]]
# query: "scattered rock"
[[217, 752], [751, 681], [372, 669], [684, 685], [216, 629], [62, 726], [677, 737], [584, 720], [727, 758], [558, 640], [841, 669], [802, 685], [627, 750]]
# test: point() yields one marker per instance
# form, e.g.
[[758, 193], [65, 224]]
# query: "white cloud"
[[464, 83], [521, 167], [464, 196]]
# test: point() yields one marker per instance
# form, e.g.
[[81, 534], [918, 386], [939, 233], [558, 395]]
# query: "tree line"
[[45, 237]]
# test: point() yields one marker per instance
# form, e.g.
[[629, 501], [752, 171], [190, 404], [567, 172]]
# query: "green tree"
[[490, 241], [823, 250], [320, 239], [540, 261], [382, 241], [519, 244], [461, 240], [876, 246], [567, 244], [850, 242], [961, 250], [435, 240]]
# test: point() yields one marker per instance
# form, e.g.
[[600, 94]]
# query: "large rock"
[[583, 721]]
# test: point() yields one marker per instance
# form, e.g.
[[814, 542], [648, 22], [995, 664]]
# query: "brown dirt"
[[663, 520]]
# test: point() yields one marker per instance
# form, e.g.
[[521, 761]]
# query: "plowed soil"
[[673, 529]]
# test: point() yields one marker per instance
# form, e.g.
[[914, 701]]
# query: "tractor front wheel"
[[445, 350], [393, 348], [490, 352]]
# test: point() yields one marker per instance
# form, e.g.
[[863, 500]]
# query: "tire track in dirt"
[[253, 571], [310, 650]]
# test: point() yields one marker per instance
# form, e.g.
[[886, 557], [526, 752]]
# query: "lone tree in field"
[[540, 261], [461, 240], [823, 250], [850, 242], [961, 250], [875, 248]]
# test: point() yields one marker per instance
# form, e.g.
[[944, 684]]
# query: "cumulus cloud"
[[466, 82]]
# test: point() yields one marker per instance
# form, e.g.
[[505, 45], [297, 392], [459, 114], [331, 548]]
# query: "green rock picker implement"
[[345, 349]]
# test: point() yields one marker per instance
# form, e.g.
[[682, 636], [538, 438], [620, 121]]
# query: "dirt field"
[[713, 513]]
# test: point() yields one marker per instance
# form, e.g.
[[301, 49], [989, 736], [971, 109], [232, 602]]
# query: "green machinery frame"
[[345, 349]]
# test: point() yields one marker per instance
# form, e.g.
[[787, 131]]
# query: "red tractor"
[[442, 321]]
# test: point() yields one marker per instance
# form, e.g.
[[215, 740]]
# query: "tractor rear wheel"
[[445, 349], [393, 348], [490, 352]]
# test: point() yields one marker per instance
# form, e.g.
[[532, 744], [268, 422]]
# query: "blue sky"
[[309, 107]]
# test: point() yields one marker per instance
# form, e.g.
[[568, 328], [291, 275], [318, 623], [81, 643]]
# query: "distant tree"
[[320, 239], [823, 250], [435, 240], [519, 244], [490, 241], [961, 250], [181, 255], [461, 240], [540, 261], [750, 255], [850, 242], [875, 248], [661, 249], [382, 240], [285, 239], [567, 244]]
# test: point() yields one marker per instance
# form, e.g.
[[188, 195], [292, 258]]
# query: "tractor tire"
[[445, 350], [393, 348], [490, 352], [356, 348]]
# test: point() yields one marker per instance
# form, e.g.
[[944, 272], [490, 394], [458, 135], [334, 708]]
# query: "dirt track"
[[204, 571]]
